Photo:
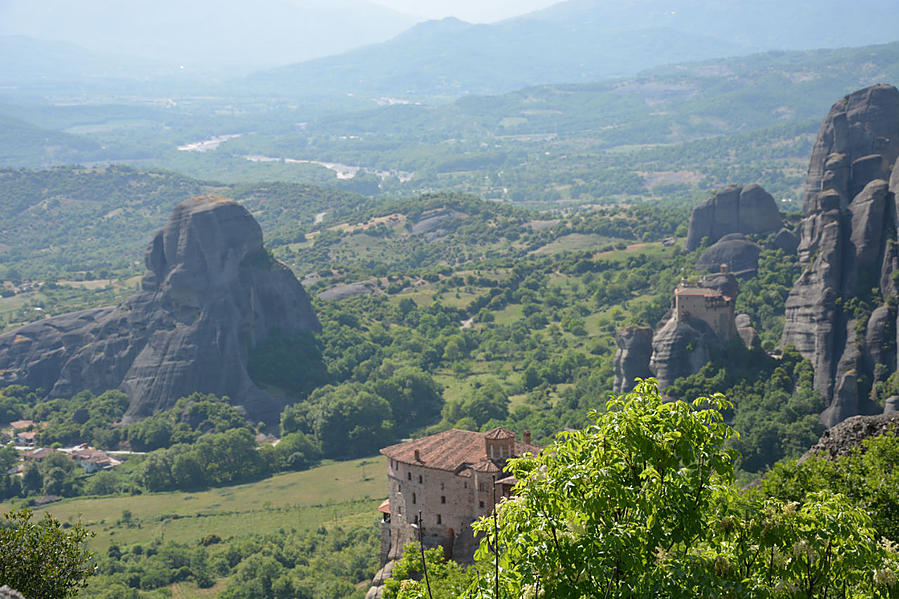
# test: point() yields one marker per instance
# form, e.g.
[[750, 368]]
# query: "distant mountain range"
[[201, 35], [579, 41]]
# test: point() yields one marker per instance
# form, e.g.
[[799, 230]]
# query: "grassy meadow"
[[336, 493]]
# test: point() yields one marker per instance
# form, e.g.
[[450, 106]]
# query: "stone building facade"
[[709, 305], [440, 484]]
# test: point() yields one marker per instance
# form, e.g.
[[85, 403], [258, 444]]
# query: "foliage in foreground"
[[40, 559], [641, 504]]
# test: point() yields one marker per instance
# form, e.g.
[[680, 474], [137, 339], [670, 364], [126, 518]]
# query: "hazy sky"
[[474, 11]]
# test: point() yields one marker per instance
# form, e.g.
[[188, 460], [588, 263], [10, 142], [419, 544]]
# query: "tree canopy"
[[40, 559], [641, 503]]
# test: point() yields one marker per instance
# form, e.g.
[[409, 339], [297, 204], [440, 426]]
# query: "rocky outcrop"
[[686, 336], [891, 406], [746, 331], [750, 210], [723, 282], [843, 438], [734, 250], [632, 357], [376, 590], [847, 249], [785, 241], [681, 348], [211, 294]]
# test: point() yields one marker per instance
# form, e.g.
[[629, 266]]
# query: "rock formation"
[[847, 247], [844, 437], [702, 321], [739, 254], [746, 331], [750, 210], [786, 241], [632, 357], [210, 295], [681, 348]]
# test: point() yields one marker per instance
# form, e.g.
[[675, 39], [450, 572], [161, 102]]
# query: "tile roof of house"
[[448, 450], [21, 424], [39, 454]]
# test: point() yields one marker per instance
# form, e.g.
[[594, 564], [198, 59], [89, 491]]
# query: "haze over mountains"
[[201, 35], [365, 49], [580, 41]]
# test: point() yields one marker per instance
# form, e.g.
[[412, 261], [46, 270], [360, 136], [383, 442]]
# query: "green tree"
[[40, 559], [641, 504]]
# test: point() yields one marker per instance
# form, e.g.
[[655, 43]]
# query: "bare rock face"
[[843, 438], [210, 295], [746, 331], [891, 406], [786, 241], [846, 249], [632, 357], [681, 348], [724, 283], [749, 210], [734, 250]]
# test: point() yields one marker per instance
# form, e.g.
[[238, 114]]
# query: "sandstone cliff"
[[749, 210], [210, 295], [848, 250], [739, 254], [632, 357], [680, 348]]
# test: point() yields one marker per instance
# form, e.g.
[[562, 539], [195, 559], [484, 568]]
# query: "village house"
[[92, 460], [38, 455], [440, 484], [25, 438]]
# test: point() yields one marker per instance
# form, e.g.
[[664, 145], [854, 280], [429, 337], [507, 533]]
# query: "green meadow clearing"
[[343, 494]]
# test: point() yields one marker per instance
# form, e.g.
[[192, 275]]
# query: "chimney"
[[417, 455], [526, 437]]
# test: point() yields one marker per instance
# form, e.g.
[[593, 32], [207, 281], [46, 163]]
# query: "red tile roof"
[[449, 450], [384, 507]]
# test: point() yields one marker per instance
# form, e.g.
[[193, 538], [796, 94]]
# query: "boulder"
[[848, 435], [734, 250], [786, 241], [750, 210], [632, 357], [724, 283], [211, 294]]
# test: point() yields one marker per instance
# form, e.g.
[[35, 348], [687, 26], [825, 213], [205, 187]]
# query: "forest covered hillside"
[[220, 303]]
